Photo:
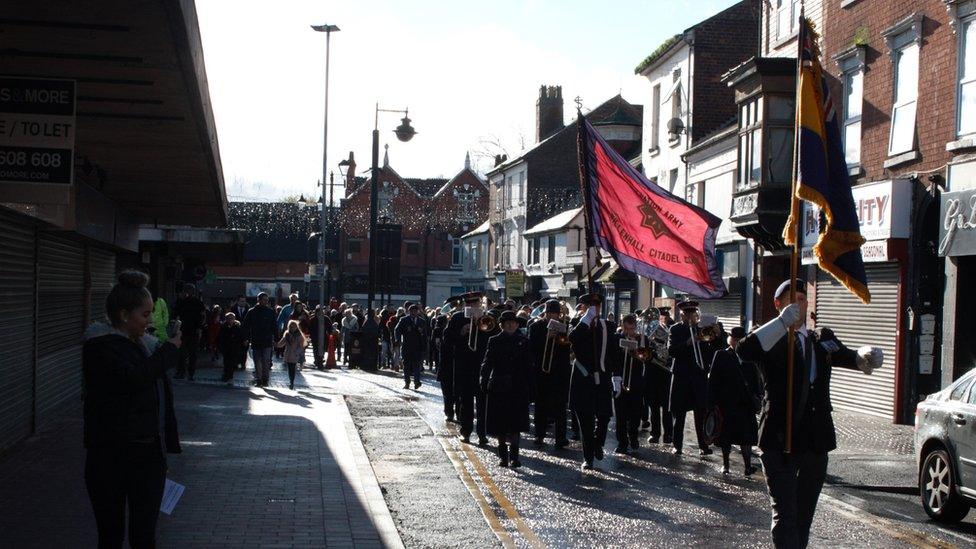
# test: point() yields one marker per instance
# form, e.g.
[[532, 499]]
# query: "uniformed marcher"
[[794, 480], [445, 368], [634, 351], [591, 386], [657, 380], [691, 354], [506, 380], [734, 390], [410, 335], [548, 339], [469, 342]]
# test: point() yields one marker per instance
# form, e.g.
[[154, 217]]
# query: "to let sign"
[[957, 228], [37, 134]]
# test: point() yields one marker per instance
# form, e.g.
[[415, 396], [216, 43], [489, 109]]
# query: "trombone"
[[475, 314], [629, 345], [556, 335]]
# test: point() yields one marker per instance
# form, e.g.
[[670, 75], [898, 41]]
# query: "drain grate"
[[281, 500]]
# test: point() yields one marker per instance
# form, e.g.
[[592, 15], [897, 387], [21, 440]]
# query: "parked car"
[[945, 450]]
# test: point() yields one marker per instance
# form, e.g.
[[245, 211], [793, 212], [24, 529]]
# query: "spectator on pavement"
[[410, 336], [259, 329], [240, 308], [160, 325], [191, 312], [294, 343], [125, 392], [350, 324]]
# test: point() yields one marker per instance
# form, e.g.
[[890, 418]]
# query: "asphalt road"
[[444, 493]]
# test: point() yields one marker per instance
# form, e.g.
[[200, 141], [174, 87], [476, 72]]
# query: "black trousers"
[[794, 483], [551, 404], [661, 421], [472, 402], [678, 432], [188, 355], [232, 359], [412, 368], [292, 366], [128, 475], [450, 399], [593, 433], [627, 408]]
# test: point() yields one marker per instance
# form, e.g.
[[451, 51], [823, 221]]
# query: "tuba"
[[476, 316], [487, 324]]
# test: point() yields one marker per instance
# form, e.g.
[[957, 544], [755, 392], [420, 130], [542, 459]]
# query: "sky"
[[468, 71]]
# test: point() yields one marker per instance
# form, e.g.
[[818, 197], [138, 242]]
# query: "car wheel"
[[937, 483]]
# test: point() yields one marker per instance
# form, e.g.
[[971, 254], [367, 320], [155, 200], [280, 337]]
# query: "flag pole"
[[795, 252], [583, 152]]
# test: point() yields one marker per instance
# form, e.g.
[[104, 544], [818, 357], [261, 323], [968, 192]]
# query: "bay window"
[[966, 94]]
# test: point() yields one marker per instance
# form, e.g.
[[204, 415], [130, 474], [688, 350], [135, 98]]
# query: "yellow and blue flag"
[[821, 174]]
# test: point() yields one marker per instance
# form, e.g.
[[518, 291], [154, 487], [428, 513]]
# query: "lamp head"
[[325, 28], [405, 131]]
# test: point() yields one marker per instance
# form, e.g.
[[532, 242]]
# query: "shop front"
[[957, 244]]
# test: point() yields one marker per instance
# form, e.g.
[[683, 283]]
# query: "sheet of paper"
[[172, 493]]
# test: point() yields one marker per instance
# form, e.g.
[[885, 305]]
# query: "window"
[[966, 110], [455, 251], [676, 107], [355, 246], [750, 143], [959, 391], [787, 17], [551, 249], [655, 116], [852, 78], [413, 247], [903, 44], [521, 188], [672, 180], [695, 193], [536, 243]]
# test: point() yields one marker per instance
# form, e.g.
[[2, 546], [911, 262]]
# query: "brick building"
[[433, 215]]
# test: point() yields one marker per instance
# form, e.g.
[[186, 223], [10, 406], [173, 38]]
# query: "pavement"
[[351, 459]]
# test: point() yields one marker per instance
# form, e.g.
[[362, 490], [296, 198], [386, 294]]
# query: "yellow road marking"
[[884, 525]]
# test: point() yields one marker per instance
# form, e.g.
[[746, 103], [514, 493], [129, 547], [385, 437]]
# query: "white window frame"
[[905, 34], [790, 9], [963, 14], [851, 63], [457, 250], [551, 249], [655, 116]]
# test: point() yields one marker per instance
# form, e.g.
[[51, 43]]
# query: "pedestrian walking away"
[[293, 343], [259, 328]]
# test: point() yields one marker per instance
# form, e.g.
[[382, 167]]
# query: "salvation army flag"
[[822, 176], [646, 229]]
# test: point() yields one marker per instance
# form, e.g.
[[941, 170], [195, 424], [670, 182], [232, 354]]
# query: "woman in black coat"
[[124, 378], [733, 387], [506, 378]]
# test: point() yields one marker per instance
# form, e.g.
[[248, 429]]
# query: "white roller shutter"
[[101, 268], [728, 309], [60, 324], [857, 324], [17, 291]]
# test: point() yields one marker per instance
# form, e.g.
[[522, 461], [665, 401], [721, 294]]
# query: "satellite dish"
[[675, 126]]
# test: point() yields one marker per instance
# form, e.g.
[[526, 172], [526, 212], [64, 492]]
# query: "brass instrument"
[[557, 335], [659, 342], [476, 314], [630, 346], [487, 323], [708, 334]]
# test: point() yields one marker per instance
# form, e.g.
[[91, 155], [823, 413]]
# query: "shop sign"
[[514, 283], [883, 211], [875, 251], [37, 136], [957, 228]]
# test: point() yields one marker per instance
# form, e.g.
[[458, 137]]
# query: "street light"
[[320, 269], [404, 132]]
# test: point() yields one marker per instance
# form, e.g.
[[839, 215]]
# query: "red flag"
[[647, 230]]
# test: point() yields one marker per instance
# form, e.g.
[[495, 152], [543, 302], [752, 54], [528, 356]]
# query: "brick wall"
[[721, 42], [935, 119]]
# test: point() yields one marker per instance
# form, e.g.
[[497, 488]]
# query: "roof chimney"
[[548, 112]]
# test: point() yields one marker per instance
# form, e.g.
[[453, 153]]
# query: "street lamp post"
[[404, 132], [320, 270]]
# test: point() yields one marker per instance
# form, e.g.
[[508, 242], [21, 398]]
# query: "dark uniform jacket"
[[467, 362], [506, 379], [813, 425], [411, 333], [590, 388], [733, 387], [689, 379], [560, 370]]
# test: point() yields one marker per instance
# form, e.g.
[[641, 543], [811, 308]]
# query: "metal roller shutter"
[[60, 324], [857, 324], [17, 292], [728, 309], [101, 267]]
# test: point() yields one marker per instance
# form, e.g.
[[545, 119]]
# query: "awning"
[[145, 134]]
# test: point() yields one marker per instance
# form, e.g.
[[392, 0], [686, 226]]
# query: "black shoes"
[[587, 465], [539, 441], [598, 453], [750, 470], [416, 385], [622, 450], [483, 442], [516, 464], [676, 451], [465, 438], [705, 452], [406, 385], [562, 443]]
